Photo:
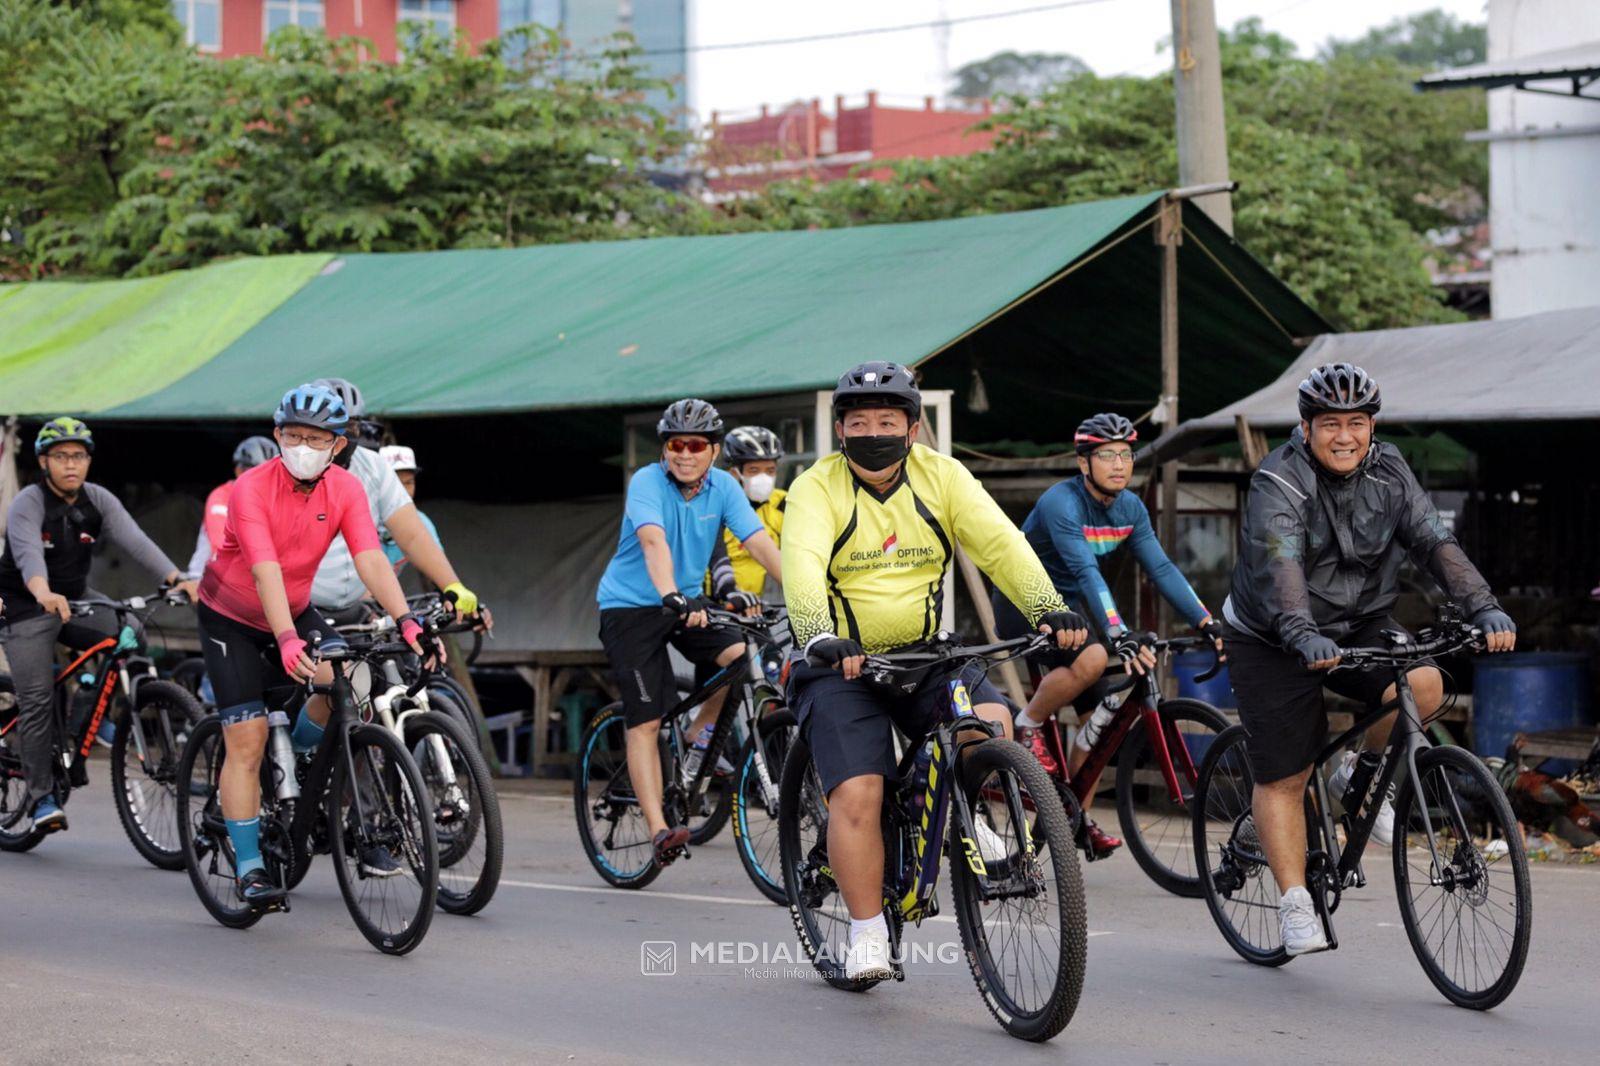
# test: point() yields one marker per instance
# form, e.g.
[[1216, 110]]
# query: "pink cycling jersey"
[[216, 519], [269, 521]]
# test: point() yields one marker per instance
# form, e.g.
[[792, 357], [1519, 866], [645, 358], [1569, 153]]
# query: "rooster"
[[1546, 803]]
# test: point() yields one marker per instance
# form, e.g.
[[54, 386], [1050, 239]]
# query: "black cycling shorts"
[[636, 639], [243, 662], [1280, 698], [849, 724]]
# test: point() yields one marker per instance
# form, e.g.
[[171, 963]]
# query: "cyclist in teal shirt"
[[403, 461]]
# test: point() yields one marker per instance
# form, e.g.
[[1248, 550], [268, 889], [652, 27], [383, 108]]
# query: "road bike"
[[1157, 743], [358, 789], [611, 825], [119, 696], [985, 803], [1460, 867]]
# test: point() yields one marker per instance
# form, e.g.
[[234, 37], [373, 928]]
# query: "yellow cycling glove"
[[466, 599]]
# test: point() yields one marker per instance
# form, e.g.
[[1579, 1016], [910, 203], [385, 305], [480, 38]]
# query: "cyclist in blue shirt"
[[650, 593], [1077, 523]]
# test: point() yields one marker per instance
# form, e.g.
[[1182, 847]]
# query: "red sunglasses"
[[692, 445]]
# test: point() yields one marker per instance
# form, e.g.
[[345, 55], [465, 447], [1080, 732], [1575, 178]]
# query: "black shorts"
[[636, 639], [848, 723], [1009, 624], [1280, 698], [243, 662]]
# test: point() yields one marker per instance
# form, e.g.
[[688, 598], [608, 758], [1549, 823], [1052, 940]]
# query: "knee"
[[855, 804], [729, 654], [1285, 788], [1091, 662], [1427, 684]]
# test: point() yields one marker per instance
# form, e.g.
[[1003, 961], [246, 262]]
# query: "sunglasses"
[[692, 445]]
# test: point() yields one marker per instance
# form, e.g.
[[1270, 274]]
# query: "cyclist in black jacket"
[[1330, 518]]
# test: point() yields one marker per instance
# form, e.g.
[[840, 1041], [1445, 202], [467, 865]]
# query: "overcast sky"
[[1112, 36]]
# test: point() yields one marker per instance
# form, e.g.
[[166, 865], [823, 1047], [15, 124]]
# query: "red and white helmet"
[[399, 457]]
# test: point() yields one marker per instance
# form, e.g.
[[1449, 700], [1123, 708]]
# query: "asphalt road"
[[105, 959]]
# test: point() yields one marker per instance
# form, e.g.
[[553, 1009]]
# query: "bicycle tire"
[[1221, 809], [603, 751], [1473, 788], [407, 821], [17, 832], [1052, 1014], [452, 701], [1164, 853], [151, 824], [753, 840], [202, 843], [458, 893]]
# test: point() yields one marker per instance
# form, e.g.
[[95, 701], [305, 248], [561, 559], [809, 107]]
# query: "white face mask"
[[759, 487], [306, 462]]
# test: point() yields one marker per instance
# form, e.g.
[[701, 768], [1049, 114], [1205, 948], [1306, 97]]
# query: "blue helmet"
[[312, 405]]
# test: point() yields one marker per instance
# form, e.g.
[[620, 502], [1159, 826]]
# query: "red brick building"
[[802, 140], [238, 27]]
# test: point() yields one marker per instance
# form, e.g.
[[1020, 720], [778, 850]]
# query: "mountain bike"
[[1156, 768], [1021, 913], [611, 825], [359, 788], [1466, 903], [148, 718], [399, 691]]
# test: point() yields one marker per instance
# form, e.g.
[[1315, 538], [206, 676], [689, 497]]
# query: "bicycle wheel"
[[452, 701], [1238, 887], [1157, 830], [16, 813], [1025, 924], [466, 812], [755, 813], [611, 826], [383, 804], [190, 675], [1468, 914], [145, 788], [202, 836], [715, 807]]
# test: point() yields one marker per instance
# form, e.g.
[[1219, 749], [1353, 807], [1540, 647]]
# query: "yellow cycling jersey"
[[872, 568], [747, 573]]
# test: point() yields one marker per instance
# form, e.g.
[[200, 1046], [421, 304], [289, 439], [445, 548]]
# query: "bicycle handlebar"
[[1404, 648], [163, 597]]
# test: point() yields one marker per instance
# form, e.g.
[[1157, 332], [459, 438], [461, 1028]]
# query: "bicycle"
[[1447, 795], [1156, 764], [150, 717], [611, 825], [359, 788], [398, 691], [980, 777]]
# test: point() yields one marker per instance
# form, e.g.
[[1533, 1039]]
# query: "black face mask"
[[876, 453]]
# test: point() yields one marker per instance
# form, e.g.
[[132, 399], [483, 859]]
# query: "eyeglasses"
[[692, 445], [68, 458], [1111, 458], [320, 443]]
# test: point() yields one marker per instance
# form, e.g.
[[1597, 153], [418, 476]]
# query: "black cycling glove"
[[681, 605], [1316, 648], [741, 601], [831, 651], [1494, 620], [1211, 629], [1126, 646], [1063, 620]]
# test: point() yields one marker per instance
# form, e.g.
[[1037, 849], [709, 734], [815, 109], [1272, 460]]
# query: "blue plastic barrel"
[[1188, 665], [1528, 692]]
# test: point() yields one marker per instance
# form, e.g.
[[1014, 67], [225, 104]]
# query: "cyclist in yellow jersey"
[[869, 535], [753, 454]]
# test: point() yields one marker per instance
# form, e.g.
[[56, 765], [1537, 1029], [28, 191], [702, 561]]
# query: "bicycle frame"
[[1142, 707]]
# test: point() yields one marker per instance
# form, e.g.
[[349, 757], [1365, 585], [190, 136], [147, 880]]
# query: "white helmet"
[[399, 457]]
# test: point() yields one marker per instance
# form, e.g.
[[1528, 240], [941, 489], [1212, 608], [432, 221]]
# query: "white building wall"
[[1544, 189]]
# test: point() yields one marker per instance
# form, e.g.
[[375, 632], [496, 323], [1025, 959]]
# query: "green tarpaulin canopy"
[[86, 346]]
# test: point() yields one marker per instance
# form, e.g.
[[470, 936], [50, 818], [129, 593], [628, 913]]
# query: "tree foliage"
[[1431, 39], [1014, 73]]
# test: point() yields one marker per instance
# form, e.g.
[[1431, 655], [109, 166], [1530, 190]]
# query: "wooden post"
[[1169, 234], [1197, 89], [980, 601], [1252, 442]]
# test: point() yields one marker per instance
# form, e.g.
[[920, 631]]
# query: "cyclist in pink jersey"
[[251, 452], [256, 621]]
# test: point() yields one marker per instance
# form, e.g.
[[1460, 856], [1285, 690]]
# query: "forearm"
[[125, 532], [766, 553], [420, 548], [202, 553], [658, 564], [376, 573], [274, 597], [1460, 580], [39, 586]]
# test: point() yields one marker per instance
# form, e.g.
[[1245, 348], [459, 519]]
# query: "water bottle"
[[83, 701], [282, 755], [919, 777], [696, 754], [1090, 731]]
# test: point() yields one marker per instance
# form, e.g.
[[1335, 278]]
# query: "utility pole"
[[1197, 85]]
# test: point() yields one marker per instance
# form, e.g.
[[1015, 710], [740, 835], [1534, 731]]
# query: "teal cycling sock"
[[306, 734], [246, 837]]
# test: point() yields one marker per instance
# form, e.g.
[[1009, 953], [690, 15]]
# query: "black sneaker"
[[375, 860], [256, 889]]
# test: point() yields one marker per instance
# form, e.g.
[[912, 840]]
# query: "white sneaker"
[[868, 957], [1298, 922], [1383, 826], [990, 846]]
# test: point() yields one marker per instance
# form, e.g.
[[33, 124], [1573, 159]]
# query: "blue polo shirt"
[[691, 528]]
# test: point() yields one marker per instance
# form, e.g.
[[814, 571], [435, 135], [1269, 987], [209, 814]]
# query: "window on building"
[[307, 14], [202, 23], [438, 16]]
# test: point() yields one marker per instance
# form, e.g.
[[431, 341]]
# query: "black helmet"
[[312, 405], [253, 451], [746, 444], [355, 404], [1103, 428], [878, 384], [688, 417], [1338, 387]]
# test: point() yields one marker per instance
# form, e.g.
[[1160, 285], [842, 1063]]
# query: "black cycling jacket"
[[1319, 553]]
